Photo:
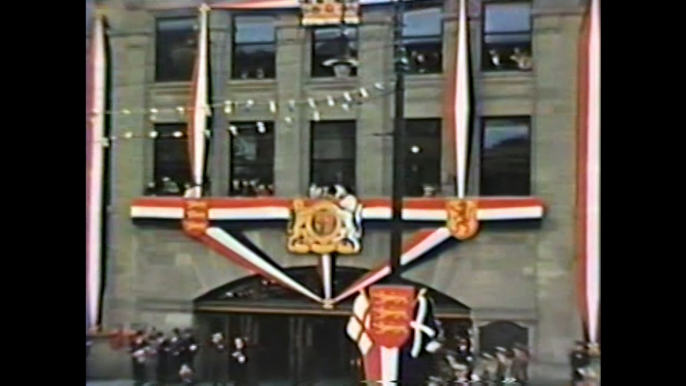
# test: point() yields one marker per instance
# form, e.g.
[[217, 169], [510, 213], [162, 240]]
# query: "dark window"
[[176, 45], [422, 157], [252, 158], [172, 171], [333, 153], [334, 52], [507, 37], [423, 37], [506, 157], [254, 47]]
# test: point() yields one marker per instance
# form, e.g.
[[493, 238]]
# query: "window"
[[172, 171], [252, 158], [506, 157], [176, 44], [422, 157], [333, 153], [334, 52], [507, 37], [254, 48], [423, 37]]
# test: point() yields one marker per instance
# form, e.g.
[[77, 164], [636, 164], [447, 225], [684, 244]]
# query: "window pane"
[[252, 159], [171, 162], [508, 17], [333, 153], [506, 157], [254, 29], [423, 22], [422, 157], [176, 44], [254, 61]]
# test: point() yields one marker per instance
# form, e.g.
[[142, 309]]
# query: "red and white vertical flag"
[[588, 172], [199, 109], [459, 104], [96, 68]]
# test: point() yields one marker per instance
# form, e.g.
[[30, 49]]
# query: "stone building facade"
[[521, 272]]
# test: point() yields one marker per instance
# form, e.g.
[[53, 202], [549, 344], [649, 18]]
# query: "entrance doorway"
[[302, 348], [291, 338]]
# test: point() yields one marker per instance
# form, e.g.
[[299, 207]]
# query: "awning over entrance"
[[254, 294]]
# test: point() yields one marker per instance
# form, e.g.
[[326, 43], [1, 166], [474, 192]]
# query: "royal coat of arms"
[[392, 309], [195, 217], [463, 222], [326, 226]]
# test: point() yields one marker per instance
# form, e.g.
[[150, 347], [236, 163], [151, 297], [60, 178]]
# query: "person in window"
[[494, 55], [170, 187], [239, 363], [218, 358], [522, 59], [579, 360], [138, 351], [151, 189], [428, 190]]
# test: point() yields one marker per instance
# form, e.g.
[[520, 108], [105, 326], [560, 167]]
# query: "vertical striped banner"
[[96, 68], [199, 109], [588, 173], [457, 106]]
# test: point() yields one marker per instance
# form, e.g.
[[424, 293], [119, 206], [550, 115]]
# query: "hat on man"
[[487, 356]]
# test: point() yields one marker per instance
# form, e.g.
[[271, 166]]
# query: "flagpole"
[[398, 143]]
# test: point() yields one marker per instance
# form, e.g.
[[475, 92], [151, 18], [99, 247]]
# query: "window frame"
[[351, 160], [519, 119], [427, 4], [485, 60], [235, 44], [314, 69], [159, 78], [433, 156], [267, 165]]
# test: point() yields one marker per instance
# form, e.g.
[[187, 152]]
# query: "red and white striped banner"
[[199, 108], [588, 173], [96, 69]]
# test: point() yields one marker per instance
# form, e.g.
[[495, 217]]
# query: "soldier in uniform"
[[218, 360], [138, 351], [464, 355], [239, 363], [520, 364], [486, 371], [504, 371], [176, 349], [189, 349], [579, 360], [164, 361]]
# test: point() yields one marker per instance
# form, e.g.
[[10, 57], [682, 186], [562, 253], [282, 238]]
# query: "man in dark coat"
[[218, 358], [189, 349], [138, 351], [176, 351], [238, 369], [417, 355], [164, 361], [579, 359]]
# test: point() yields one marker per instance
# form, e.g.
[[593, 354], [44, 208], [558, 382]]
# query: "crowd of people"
[[170, 359]]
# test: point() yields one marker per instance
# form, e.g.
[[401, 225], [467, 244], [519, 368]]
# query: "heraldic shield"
[[195, 217], [325, 226], [392, 309], [463, 222]]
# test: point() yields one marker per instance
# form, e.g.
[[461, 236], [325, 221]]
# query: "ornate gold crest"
[[330, 12], [195, 217], [325, 226], [462, 219]]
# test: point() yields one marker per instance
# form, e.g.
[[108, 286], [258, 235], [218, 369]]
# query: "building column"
[[292, 138], [219, 149], [375, 123]]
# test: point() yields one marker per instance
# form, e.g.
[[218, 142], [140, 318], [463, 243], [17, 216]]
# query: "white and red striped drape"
[[199, 108], [588, 174], [457, 106], [96, 68]]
